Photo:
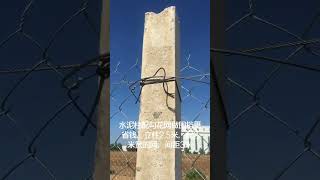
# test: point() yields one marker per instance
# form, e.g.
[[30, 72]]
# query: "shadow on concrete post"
[[102, 156], [218, 117]]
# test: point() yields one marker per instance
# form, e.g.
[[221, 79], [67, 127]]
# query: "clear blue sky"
[[61, 148], [127, 24], [260, 146]]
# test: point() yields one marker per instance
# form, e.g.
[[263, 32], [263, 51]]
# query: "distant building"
[[124, 148], [196, 138]]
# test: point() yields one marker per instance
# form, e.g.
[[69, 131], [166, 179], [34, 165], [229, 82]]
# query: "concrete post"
[[102, 158], [160, 50], [218, 116]]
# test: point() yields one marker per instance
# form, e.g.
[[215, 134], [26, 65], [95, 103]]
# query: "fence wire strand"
[[299, 43], [123, 163], [69, 76]]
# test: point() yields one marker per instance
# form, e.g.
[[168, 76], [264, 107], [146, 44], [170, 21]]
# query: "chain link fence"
[[50, 91], [272, 90], [50, 88], [195, 98]]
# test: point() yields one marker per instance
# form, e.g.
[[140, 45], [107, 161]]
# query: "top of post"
[[170, 9], [169, 12]]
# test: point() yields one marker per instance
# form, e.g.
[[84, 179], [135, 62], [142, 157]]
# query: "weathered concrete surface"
[[160, 50], [102, 156]]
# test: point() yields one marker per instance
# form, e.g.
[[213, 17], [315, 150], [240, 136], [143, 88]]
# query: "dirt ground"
[[123, 164]]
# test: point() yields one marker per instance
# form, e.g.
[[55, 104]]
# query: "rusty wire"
[[299, 43], [68, 74], [123, 163]]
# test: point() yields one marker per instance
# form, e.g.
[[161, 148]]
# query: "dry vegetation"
[[120, 170]]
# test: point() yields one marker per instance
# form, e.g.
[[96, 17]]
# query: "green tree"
[[201, 151], [195, 152], [187, 150], [131, 148], [116, 147]]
